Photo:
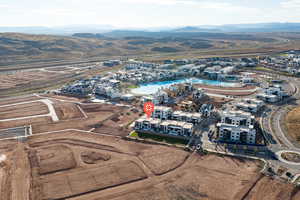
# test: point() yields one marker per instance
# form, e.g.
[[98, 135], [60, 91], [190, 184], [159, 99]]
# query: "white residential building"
[[194, 118], [162, 112], [198, 94], [237, 126], [160, 97], [168, 127], [272, 94], [250, 105]]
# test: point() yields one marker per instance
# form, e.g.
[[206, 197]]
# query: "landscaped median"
[[158, 139]]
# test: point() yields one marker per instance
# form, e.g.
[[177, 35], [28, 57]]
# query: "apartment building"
[[237, 126], [194, 118], [162, 112], [250, 105], [272, 94], [167, 113], [198, 94], [168, 127]]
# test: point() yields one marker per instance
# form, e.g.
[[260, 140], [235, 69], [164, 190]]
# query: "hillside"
[[25, 48]]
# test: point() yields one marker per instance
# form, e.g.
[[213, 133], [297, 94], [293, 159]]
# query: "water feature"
[[151, 88]]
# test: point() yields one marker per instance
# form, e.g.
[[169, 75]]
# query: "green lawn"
[[159, 138], [132, 86]]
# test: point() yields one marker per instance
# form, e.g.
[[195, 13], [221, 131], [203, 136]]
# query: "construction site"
[[55, 147]]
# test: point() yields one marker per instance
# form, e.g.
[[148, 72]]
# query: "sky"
[[146, 13]]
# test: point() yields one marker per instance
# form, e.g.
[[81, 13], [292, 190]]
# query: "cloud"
[[204, 4], [3, 6], [62, 12], [161, 2], [290, 4]]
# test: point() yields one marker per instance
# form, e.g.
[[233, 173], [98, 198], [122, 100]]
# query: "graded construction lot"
[[22, 110], [52, 167], [54, 113], [292, 122], [81, 156]]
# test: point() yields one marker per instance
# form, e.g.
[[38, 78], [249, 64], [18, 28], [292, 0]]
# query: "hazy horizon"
[[146, 13]]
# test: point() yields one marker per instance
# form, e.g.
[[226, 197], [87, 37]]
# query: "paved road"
[[272, 127]]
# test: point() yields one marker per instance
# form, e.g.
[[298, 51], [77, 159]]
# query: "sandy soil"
[[292, 122], [98, 178], [53, 159], [162, 160], [92, 157], [270, 189], [229, 93], [248, 87], [18, 78], [67, 111], [128, 174], [101, 118], [21, 178], [32, 121], [23, 110], [18, 100]]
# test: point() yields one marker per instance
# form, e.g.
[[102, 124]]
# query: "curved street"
[[272, 124]]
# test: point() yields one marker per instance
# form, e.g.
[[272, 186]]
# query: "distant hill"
[[15, 47], [259, 27], [242, 28], [88, 35], [194, 29]]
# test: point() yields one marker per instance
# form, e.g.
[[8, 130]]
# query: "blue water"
[[151, 88]]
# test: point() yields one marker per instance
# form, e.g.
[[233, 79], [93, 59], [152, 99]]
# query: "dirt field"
[[91, 157], [16, 79], [18, 100], [71, 114], [53, 159], [33, 121], [233, 93], [163, 160], [292, 122], [23, 110], [248, 87], [67, 111], [292, 157], [84, 164], [127, 175]]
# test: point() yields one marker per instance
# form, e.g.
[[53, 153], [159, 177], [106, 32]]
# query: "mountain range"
[[242, 28]]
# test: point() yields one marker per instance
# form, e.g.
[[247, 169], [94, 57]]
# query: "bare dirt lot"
[[16, 79], [127, 174], [79, 157], [292, 122], [18, 100], [31, 121], [23, 110], [71, 114], [68, 110], [53, 159]]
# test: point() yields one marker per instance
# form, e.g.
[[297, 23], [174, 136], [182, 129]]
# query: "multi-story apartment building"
[[186, 117], [250, 105], [168, 127], [237, 126], [272, 94], [162, 112], [167, 113]]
